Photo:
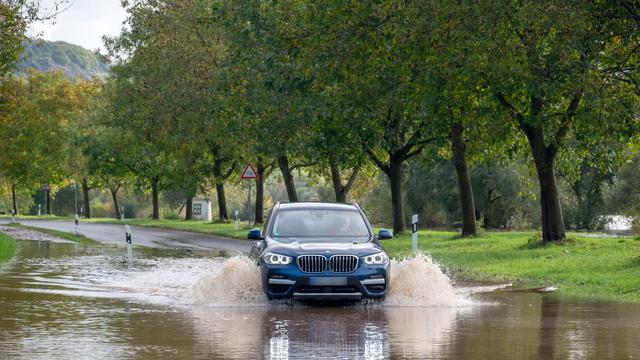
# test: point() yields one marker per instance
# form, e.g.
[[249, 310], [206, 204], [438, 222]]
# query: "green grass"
[[61, 234], [599, 268], [7, 247]]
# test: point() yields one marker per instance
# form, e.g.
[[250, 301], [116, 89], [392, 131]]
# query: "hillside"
[[74, 60]]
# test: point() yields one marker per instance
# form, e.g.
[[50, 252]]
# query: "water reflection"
[[64, 301], [350, 332]]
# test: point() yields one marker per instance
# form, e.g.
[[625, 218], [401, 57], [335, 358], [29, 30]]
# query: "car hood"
[[318, 246]]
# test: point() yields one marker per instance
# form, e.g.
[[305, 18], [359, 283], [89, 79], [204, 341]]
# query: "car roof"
[[317, 205]]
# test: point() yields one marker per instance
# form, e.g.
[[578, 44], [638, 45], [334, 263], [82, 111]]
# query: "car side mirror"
[[255, 234], [384, 234]]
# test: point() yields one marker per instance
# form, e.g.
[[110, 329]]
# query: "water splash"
[[235, 282], [419, 281]]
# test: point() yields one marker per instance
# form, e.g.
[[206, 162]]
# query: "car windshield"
[[319, 223]]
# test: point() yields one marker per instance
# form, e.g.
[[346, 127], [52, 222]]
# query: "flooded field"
[[59, 300]]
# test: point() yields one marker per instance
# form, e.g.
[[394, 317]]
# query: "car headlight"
[[376, 259], [276, 259]]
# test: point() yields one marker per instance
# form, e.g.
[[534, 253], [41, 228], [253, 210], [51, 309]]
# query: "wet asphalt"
[[144, 236]]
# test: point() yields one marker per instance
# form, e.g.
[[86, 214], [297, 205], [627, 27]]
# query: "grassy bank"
[[597, 267], [7, 247]]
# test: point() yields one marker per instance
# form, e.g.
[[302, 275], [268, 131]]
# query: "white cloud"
[[83, 23]]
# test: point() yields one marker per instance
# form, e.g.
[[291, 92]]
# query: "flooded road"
[[60, 300]]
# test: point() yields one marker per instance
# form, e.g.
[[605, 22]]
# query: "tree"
[[376, 61], [174, 57], [38, 118], [543, 63]]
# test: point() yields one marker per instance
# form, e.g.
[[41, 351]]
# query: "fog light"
[[376, 276], [277, 276]]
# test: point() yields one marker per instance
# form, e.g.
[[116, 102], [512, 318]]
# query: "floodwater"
[[63, 301]]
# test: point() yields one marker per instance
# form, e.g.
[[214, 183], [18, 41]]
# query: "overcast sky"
[[83, 23]]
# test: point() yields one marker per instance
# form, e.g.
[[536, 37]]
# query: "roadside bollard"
[[127, 233], [77, 222], [414, 232], [122, 213], [237, 224], [13, 215]]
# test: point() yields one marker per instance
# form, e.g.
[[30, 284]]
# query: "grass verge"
[[599, 268], [61, 234], [7, 247]]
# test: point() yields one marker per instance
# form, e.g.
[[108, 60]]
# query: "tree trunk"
[[397, 202], [154, 193], [188, 212], [114, 196], [544, 158], [467, 205], [222, 200], [336, 178], [341, 191], [48, 207], [85, 198], [14, 200], [259, 211], [283, 164]]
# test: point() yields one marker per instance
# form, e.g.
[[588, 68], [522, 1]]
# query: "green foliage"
[[75, 61], [38, 116], [7, 247]]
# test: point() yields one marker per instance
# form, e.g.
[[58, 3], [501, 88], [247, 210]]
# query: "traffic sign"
[[249, 172], [45, 187]]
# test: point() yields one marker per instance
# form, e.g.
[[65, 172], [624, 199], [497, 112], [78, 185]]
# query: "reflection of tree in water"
[[550, 311]]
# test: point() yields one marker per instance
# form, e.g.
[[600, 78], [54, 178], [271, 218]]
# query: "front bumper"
[[288, 282]]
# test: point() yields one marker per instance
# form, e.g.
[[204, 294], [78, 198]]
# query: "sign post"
[[414, 232], [127, 236], [250, 174]]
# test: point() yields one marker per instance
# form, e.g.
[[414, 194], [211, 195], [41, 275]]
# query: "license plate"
[[328, 281]]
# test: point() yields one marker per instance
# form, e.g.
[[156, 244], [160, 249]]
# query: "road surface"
[[144, 236]]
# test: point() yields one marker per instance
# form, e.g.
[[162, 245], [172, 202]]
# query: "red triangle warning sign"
[[249, 172]]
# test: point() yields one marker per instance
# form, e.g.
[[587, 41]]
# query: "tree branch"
[[377, 161], [352, 179]]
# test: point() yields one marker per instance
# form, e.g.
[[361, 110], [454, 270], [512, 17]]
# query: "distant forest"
[[74, 60]]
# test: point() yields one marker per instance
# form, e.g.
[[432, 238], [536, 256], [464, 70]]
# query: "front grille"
[[343, 263], [312, 263]]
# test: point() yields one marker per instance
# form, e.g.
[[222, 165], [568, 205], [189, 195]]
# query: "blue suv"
[[321, 251]]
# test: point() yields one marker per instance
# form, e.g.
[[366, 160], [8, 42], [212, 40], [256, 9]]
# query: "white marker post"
[[77, 221], [127, 235], [13, 215], [122, 213], [237, 214], [39, 209], [414, 232]]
